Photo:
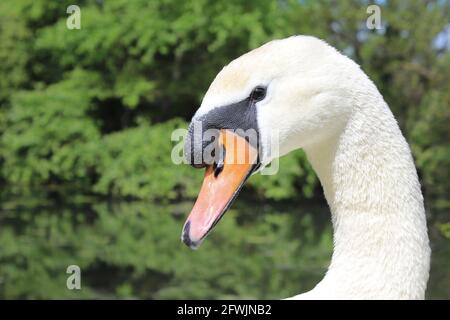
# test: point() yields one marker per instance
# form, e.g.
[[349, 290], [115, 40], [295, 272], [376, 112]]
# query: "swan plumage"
[[321, 101]]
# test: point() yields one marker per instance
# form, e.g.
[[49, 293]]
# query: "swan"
[[307, 94]]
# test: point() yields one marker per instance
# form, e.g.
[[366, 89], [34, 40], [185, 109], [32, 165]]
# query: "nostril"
[[218, 167]]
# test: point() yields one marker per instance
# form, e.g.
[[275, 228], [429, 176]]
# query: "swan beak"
[[221, 185]]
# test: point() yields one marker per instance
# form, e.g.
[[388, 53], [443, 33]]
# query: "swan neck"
[[370, 182]]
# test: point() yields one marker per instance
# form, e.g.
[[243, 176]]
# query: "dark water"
[[132, 249]]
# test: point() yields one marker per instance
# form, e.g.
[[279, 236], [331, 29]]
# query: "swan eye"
[[258, 93]]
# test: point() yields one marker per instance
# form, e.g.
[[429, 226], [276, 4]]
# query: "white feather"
[[321, 101]]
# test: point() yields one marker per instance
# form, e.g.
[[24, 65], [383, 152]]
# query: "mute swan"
[[317, 99]]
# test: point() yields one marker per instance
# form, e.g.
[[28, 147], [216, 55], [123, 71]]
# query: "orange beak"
[[221, 185]]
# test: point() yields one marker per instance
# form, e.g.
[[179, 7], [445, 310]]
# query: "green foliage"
[[76, 104], [47, 130], [134, 163], [445, 229], [127, 56], [146, 49], [294, 174], [94, 109], [124, 251], [430, 135]]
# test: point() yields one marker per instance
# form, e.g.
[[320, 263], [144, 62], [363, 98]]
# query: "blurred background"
[[86, 118]]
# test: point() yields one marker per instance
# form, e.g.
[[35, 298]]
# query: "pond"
[[133, 250]]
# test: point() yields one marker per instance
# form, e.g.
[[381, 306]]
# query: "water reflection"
[[133, 250]]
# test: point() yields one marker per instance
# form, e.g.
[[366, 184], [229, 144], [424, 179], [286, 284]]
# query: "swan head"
[[287, 94]]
